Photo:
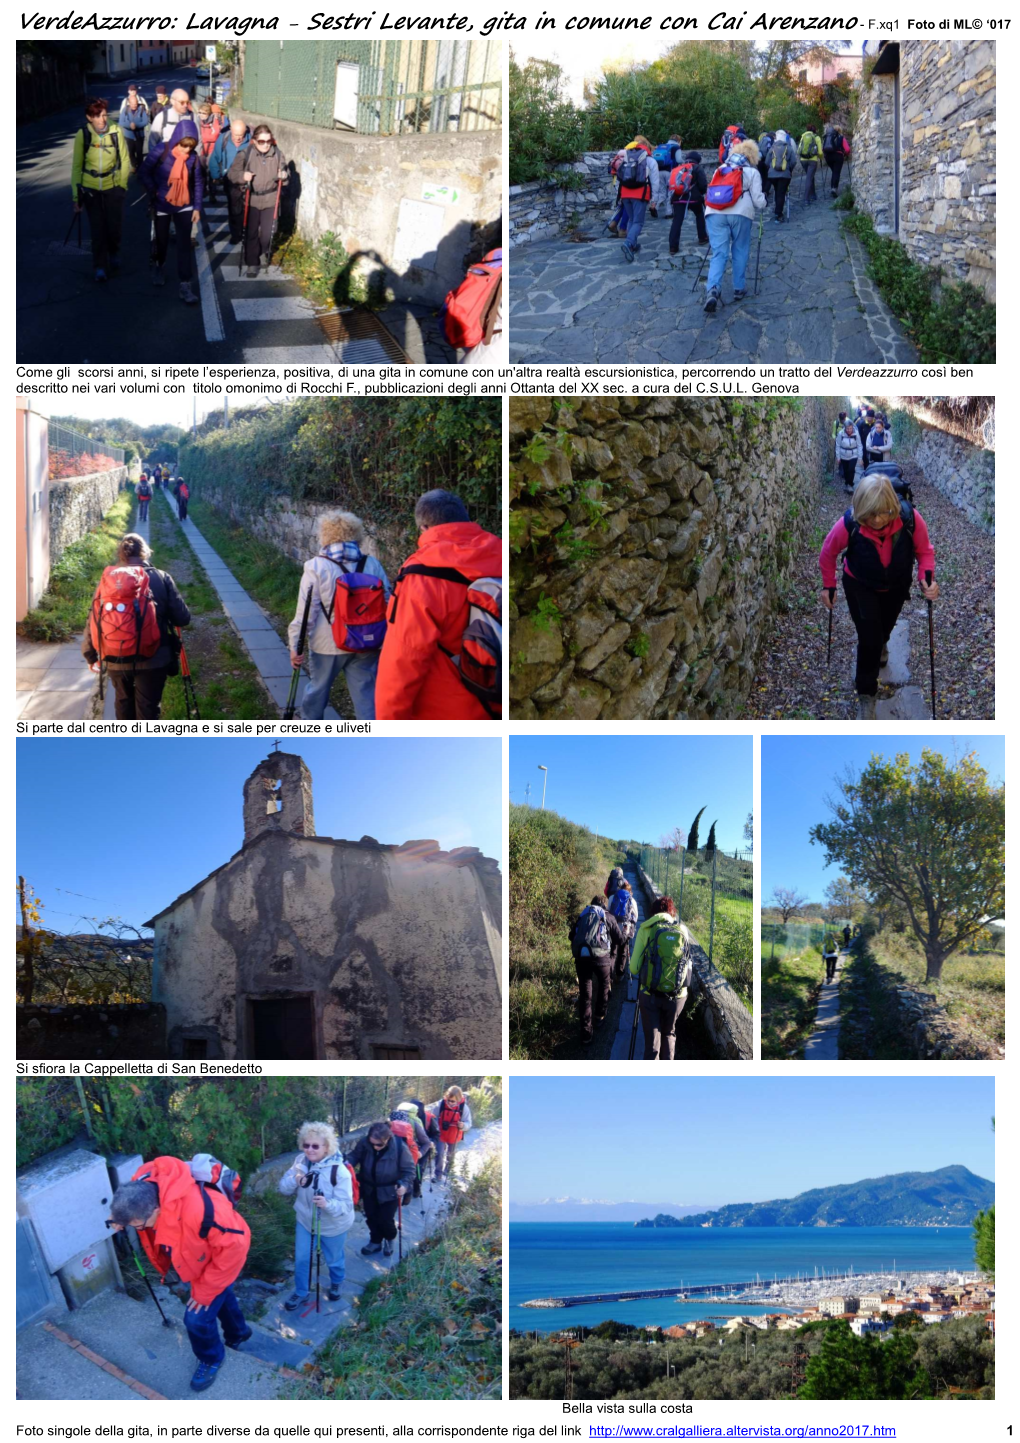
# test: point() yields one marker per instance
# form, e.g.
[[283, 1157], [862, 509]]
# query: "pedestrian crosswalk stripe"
[[211, 318], [273, 308], [221, 247]]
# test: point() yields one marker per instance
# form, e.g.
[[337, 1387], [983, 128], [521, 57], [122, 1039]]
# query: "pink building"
[[822, 67]]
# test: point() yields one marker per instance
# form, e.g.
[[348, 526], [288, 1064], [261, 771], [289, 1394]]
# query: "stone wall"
[[78, 505], [955, 448], [107, 1030], [722, 1014], [650, 541], [873, 163], [381, 195]]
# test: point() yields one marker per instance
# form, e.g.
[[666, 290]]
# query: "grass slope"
[[64, 607]]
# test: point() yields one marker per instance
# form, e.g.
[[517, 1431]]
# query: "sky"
[[148, 410], [799, 772], [128, 824], [717, 1140], [639, 787]]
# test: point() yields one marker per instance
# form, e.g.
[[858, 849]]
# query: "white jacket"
[[338, 1214], [848, 448], [883, 446], [319, 577]]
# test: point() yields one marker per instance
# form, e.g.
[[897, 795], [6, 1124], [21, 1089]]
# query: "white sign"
[[210, 52], [420, 228], [440, 194]]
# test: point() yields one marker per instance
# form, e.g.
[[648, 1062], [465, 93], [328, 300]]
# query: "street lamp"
[[541, 768]]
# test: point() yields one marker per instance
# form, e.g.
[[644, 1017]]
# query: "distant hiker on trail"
[[848, 453], [385, 1173], [225, 152], [782, 160], [442, 657], [452, 1112], [133, 121], [429, 1119], [130, 629], [407, 1126], [183, 495], [882, 536], [323, 1193], [662, 963], [614, 880], [879, 443], [765, 143], [638, 175], [263, 169], [623, 907], [172, 176], [595, 938], [729, 138], [100, 170], [346, 617], [846, 936], [144, 495], [830, 956], [734, 195], [197, 1231], [686, 190], [865, 421], [810, 152], [167, 122], [834, 149]]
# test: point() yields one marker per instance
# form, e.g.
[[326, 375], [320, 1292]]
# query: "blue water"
[[549, 1259]]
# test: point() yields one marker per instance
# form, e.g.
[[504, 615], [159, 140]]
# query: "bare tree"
[[786, 901]]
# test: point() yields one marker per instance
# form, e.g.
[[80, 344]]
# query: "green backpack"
[[809, 147], [669, 953]]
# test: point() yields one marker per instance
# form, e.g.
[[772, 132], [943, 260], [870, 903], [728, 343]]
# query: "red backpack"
[[681, 184], [472, 309], [358, 618], [184, 492], [355, 1189], [123, 620], [726, 187], [405, 1132]]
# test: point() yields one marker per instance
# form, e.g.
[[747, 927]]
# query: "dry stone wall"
[[650, 543], [78, 505]]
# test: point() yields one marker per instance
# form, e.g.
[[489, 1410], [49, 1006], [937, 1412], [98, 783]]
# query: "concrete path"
[[141, 528], [621, 1042], [249, 621], [908, 701], [584, 302], [823, 1044]]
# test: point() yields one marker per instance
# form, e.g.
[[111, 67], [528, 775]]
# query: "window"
[[396, 1054], [802, 76], [196, 1047]]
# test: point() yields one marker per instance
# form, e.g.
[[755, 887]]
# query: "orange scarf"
[[178, 191]]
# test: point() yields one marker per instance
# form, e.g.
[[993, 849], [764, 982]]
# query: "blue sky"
[[799, 772], [131, 823], [639, 787], [714, 1140]]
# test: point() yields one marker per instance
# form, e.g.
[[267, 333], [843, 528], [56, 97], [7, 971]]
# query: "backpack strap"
[[208, 1216], [441, 573]]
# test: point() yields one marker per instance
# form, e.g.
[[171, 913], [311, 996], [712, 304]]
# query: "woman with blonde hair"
[[344, 592], [453, 1114], [881, 536], [324, 1208], [734, 195]]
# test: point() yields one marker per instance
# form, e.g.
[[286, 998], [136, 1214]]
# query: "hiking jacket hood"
[[838, 539], [416, 680], [848, 448], [155, 170], [209, 1264], [338, 1214], [775, 156], [381, 1173]]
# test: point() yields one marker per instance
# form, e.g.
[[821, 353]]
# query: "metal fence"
[[714, 894], [780, 938], [376, 87], [72, 454]]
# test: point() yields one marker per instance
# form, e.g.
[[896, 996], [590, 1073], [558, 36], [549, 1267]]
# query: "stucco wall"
[[78, 505], [366, 188], [107, 1030], [398, 948]]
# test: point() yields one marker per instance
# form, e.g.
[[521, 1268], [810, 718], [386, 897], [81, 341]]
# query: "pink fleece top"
[[837, 539]]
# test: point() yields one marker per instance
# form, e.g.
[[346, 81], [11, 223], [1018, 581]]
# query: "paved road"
[[823, 1044]]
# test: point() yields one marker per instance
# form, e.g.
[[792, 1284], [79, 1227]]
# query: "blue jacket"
[[133, 120], [154, 172], [224, 152]]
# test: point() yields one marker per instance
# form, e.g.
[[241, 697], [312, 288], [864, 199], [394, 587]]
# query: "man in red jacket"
[[417, 679], [198, 1232]]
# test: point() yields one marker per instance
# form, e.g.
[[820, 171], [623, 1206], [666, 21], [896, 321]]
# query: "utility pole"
[[545, 779], [226, 412]]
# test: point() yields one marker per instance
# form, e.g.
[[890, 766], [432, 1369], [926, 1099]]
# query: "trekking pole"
[[421, 1193], [244, 231], [288, 712], [931, 645], [145, 1279], [188, 682], [757, 268], [400, 1228], [701, 268], [828, 652], [637, 994], [318, 1257], [75, 218]]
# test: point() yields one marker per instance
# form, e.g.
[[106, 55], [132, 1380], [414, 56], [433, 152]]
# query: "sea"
[[550, 1259]]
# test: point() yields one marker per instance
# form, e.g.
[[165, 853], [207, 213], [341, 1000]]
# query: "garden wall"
[[650, 543], [954, 445], [97, 1030], [78, 505]]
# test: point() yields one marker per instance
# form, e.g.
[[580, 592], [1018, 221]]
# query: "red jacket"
[[210, 1265], [416, 681]]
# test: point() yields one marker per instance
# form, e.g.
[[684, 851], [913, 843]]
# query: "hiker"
[[614, 880], [100, 170], [196, 1230], [262, 168], [686, 190], [323, 1206], [385, 1174], [160, 102], [183, 494], [210, 127], [133, 122], [638, 175], [810, 152], [733, 196], [878, 444], [765, 143], [730, 137], [144, 495], [447, 597], [452, 1112], [130, 631], [417, 1110], [667, 157], [834, 153], [830, 956], [846, 936], [595, 939], [232, 140], [165, 473], [619, 214], [346, 621], [169, 118], [662, 963], [881, 536], [782, 160], [848, 453], [172, 176], [865, 423], [623, 907], [408, 1127]]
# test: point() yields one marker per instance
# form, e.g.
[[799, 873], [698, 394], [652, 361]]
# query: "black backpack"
[[633, 168], [895, 475]]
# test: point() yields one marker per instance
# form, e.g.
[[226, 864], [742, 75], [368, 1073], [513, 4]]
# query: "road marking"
[[222, 247], [290, 355], [211, 318], [275, 308]]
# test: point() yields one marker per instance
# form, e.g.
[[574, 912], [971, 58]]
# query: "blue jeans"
[[359, 669], [204, 1327], [634, 213], [728, 232], [332, 1256], [618, 215]]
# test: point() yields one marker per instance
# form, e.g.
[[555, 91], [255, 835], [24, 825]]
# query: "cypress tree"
[[692, 835]]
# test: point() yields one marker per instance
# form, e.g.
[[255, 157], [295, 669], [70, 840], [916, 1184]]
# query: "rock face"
[[650, 539]]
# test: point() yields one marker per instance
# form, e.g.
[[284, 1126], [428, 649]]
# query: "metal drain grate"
[[360, 337]]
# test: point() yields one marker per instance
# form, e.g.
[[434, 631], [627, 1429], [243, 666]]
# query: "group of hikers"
[[192, 148], [607, 944], [187, 1219], [875, 546], [747, 175], [148, 482], [426, 646], [830, 949]]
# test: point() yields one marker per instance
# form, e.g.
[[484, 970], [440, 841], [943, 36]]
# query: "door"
[[282, 1029], [345, 95]]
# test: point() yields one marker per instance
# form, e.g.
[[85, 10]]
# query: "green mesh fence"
[[714, 894]]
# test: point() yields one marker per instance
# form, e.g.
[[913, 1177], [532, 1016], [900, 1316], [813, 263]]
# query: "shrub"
[[546, 129]]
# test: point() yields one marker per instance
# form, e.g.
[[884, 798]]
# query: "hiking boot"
[[674, 253], [100, 274], [252, 272], [387, 1248], [333, 1295], [653, 210], [712, 299], [370, 1248], [187, 295], [159, 276], [204, 1377], [612, 230], [114, 264], [628, 254], [238, 1341], [599, 1020], [264, 262], [866, 708], [739, 295], [704, 242], [295, 1300]]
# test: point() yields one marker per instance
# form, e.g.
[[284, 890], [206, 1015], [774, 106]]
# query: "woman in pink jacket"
[[881, 536]]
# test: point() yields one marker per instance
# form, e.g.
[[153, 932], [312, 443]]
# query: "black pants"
[[780, 184], [830, 968], [380, 1216], [849, 472], [135, 142], [260, 233], [593, 977], [105, 210], [659, 1017], [621, 957], [875, 456], [235, 209], [182, 508], [182, 227], [810, 166], [874, 614], [698, 210], [835, 159], [138, 693], [143, 509]]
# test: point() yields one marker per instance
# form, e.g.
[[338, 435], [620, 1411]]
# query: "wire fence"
[[72, 454], [780, 939], [714, 895], [376, 87]]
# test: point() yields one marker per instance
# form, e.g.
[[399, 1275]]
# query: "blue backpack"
[[663, 154], [594, 934], [623, 906]]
